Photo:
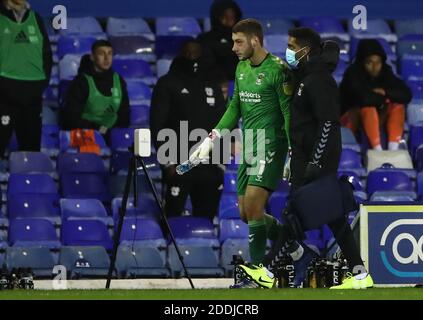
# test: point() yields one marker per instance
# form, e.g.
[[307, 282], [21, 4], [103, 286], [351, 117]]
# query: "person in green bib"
[[97, 97], [25, 67]]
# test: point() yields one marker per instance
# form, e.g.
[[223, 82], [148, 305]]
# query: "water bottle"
[[186, 166]]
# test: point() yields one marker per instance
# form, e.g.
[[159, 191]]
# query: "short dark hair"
[[306, 37], [100, 43], [251, 27]]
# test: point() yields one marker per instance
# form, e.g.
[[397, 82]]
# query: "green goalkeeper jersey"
[[262, 98]]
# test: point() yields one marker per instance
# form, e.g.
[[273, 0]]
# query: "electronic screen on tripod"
[[142, 142]]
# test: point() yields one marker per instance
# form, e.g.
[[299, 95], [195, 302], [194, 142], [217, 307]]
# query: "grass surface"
[[220, 294]]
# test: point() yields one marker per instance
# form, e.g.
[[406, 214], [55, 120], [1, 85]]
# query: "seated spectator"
[[191, 91], [97, 98], [217, 42], [371, 92]]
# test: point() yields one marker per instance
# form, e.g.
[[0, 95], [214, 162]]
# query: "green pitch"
[[222, 294]]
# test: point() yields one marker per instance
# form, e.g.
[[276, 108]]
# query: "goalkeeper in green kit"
[[262, 98]]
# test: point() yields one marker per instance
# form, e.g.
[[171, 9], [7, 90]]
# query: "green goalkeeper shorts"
[[264, 170]]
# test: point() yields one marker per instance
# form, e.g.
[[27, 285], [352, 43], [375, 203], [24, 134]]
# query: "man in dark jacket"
[[25, 68], [371, 91], [97, 97], [191, 94], [316, 148], [217, 42]]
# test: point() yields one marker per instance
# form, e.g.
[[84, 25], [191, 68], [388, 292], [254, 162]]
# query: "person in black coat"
[[25, 68], [316, 148], [372, 93], [97, 97], [188, 95], [217, 42]]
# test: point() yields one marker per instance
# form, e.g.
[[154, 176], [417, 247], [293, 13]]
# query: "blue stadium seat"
[[40, 183], [409, 26], [326, 27], [30, 162], [163, 66], [84, 186], [147, 208], [412, 67], [3, 239], [51, 96], [138, 92], [80, 162], [411, 44], [121, 139], [348, 140], [391, 196], [40, 260], [181, 26], [416, 138], [351, 161], [85, 261], [139, 116], [376, 28], [385, 45], [50, 140], [142, 259], [86, 233], [232, 229], [54, 77], [119, 163], [314, 239], [415, 113], [91, 209], [192, 228], [167, 47], [276, 43], [276, 26], [135, 46], [65, 146], [416, 88], [33, 233], [27, 205], [388, 180], [82, 26], [228, 207], [135, 229], [117, 27], [130, 68], [230, 181], [49, 116], [68, 67], [74, 45], [200, 259]]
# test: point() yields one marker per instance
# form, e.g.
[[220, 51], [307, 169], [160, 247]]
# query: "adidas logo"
[[21, 38], [184, 91]]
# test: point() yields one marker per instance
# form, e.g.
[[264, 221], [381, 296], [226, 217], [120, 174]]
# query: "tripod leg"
[[165, 223], [122, 212]]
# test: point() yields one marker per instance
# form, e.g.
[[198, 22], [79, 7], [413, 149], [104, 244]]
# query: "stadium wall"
[[387, 9]]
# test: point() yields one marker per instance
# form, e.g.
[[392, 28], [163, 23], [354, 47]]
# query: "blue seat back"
[[86, 233], [31, 230]]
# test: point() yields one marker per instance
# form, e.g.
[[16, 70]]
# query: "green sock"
[[273, 226], [257, 240]]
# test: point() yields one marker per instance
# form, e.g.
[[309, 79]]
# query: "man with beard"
[[262, 97]]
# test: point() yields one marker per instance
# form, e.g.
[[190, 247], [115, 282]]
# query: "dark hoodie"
[[315, 131], [357, 85], [186, 93], [218, 41], [78, 92]]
